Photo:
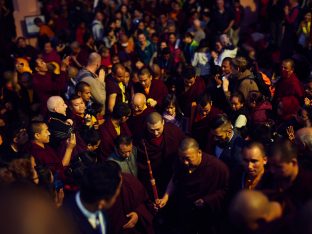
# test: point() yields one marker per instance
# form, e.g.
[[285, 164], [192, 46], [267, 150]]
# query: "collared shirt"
[[94, 218], [219, 150]]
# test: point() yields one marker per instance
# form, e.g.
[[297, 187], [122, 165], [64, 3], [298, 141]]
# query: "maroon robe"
[[201, 128], [45, 86], [132, 198], [289, 87], [112, 87], [137, 123], [191, 95], [162, 157], [158, 91], [108, 135], [209, 182], [47, 156], [53, 56]]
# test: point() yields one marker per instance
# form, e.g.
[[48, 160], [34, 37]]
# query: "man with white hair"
[[59, 125], [197, 31]]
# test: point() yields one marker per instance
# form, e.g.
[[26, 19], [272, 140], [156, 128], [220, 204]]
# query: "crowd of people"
[[158, 116]]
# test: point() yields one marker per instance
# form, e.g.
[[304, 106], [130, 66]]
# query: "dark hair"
[[35, 127], [239, 95], [189, 72], [255, 96], [74, 97], [286, 150], [219, 121], [123, 140], [188, 34], [37, 20], [204, 99], [171, 99], [116, 66], [100, 182], [254, 144], [89, 135], [80, 86], [121, 110]]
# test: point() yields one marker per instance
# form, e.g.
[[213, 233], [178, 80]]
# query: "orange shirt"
[[46, 30]]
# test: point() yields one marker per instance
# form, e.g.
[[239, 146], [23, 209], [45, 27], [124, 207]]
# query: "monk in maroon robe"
[[199, 184], [154, 90], [44, 154], [140, 111], [189, 90], [133, 198], [161, 140], [113, 127], [46, 85]]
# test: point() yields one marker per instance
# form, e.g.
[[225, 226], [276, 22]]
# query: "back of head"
[[154, 118], [188, 143], [139, 99], [100, 182], [221, 121], [189, 72], [116, 67], [94, 59], [123, 140], [145, 71], [241, 63]]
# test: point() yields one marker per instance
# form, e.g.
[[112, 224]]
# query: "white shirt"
[[94, 218]]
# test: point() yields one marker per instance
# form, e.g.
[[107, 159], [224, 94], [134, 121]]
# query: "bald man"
[[251, 209], [96, 81], [162, 141], [140, 111], [199, 185], [303, 139]]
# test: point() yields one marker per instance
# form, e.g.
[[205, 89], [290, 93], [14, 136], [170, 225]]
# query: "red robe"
[[132, 198], [137, 123], [162, 157], [108, 135], [191, 95], [45, 86], [158, 91]]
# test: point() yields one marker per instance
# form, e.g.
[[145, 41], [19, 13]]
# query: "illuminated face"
[[253, 161], [78, 106], [236, 104], [44, 135], [171, 110], [286, 69], [190, 158], [156, 130], [125, 150], [138, 107], [226, 67], [145, 80], [41, 66], [127, 78], [48, 48], [86, 93]]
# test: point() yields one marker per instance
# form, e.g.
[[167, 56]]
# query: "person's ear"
[[265, 160], [37, 136], [102, 204], [79, 93]]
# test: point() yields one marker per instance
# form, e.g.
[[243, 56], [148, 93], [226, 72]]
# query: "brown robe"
[[132, 198]]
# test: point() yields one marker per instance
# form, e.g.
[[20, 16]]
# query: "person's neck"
[[91, 68], [90, 207], [39, 143], [14, 147], [80, 115], [115, 122]]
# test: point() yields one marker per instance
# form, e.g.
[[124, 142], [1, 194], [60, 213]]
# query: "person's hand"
[[101, 76], [218, 79], [160, 203], [291, 133], [151, 102], [69, 122], [307, 101], [133, 220], [65, 63], [199, 203], [71, 142]]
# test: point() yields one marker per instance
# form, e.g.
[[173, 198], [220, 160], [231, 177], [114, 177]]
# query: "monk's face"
[[191, 158], [286, 69], [41, 66], [44, 135], [205, 110], [78, 106], [253, 161], [120, 74], [281, 169], [145, 80], [157, 129]]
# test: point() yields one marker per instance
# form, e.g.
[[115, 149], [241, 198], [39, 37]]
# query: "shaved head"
[[94, 59], [249, 207], [154, 118], [188, 143], [139, 99]]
